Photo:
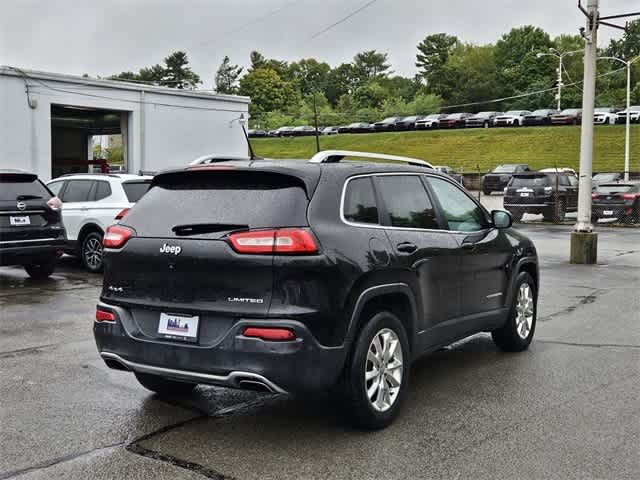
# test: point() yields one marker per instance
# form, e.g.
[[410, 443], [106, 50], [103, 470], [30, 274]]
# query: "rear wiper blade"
[[28, 197], [198, 228]]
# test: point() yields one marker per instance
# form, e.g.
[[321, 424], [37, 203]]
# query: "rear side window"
[[16, 186], [406, 202], [77, 191], [55, 187], [135, 190], [530, 181], [360, 202], [462, 213], [103, 190], [236, 200]]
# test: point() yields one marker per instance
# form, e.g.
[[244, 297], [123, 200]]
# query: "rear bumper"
[[616, 211], [25, 253], [234, 360]]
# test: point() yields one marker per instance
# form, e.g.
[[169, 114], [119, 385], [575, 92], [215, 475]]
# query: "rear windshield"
[[239, 199], [505, 169], [135, 190], [605, 177], [618, 188], [16, 187], [537, 181]]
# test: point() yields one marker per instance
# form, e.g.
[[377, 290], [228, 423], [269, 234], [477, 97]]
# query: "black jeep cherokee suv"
[[293, 276], [31, 230]]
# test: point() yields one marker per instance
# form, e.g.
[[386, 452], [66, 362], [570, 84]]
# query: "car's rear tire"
[[163, 386], [376, 375], [516, 334], [41, 270], [91, 252]]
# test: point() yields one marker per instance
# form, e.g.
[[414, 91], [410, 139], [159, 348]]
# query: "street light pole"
[[627, 141], [560, 56]]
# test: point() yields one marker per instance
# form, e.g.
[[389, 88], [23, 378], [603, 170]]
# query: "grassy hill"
[[465, 150]]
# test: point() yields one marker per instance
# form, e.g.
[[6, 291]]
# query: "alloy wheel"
[[93, 252], [383, 370], [524, 310]]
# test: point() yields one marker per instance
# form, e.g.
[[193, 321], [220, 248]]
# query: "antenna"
[[242, 121]]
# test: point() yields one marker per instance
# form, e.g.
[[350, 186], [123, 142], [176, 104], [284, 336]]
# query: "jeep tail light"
[[54, 203], [269, 333], [282, 240], [104, 316], [122, 213], [116, 236]]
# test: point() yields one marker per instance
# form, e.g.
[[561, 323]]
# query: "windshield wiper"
[[198, 228], [28, 197]]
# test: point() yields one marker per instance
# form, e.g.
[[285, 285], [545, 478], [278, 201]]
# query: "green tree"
[[517, 62], [424, 104], [177, 72], [371, 65], [370, 95], [433, 53], [340, 81], [404, 87], [628, 46], [310, 75], [227, 77], [268, 92]]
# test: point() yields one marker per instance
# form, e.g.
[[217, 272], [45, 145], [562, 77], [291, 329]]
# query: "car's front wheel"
[[164, 387], [516, 334], [41, 270], [376, 375], [91, 252]]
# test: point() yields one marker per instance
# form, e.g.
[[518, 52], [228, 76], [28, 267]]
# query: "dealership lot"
[[566, 408]]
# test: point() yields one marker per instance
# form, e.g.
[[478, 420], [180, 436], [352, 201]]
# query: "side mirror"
[[501, 219]]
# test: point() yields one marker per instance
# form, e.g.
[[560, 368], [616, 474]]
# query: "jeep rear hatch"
[[202, 242]]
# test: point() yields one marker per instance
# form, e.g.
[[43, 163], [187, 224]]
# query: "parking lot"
[[566, 408]]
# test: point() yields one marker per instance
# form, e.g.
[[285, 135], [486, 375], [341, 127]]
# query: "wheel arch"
[[397, 298], [85, 230], [530, 266]]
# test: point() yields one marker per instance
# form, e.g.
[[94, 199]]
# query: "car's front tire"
[[41, 270], [91, 252], [516, 334], [376, 375], [164, 387]]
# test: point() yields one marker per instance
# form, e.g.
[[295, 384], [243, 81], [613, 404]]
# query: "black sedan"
[[616, 200], [481, 120], [386, 125], [256, 133], [539, 117]]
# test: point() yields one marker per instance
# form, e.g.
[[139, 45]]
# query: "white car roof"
[[116, 177]]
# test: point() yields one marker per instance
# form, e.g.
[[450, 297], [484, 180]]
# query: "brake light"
[[630, 196], [116, 236], [102, 316], [54, 203], [269, 333], [283, 240], [594, 196], [122, 213]]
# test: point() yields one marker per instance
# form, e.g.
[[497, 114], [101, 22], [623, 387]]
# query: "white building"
[[48, 121]]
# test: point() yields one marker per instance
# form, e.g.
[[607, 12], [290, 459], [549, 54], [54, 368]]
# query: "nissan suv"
[[296, 276], [92, 202], [31, 230]]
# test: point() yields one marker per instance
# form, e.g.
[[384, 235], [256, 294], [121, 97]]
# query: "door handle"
[[407, 247]]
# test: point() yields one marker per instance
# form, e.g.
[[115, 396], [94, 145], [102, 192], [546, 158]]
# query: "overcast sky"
[[108, 36]]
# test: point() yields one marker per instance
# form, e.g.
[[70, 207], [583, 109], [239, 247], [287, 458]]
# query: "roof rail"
[[90, 173], [334, 156]]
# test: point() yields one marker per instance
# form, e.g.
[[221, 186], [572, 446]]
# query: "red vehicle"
[[455, 120], [570, 116]]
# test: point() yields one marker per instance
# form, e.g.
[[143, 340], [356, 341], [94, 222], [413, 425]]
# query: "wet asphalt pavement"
[[567, 408]]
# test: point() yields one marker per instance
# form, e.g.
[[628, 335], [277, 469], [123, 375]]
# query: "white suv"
[[92, 202]]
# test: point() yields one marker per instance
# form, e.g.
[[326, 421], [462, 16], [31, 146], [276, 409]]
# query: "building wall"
[[164, 130]]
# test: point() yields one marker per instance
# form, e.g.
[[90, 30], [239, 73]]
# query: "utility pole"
[[315, 121], [584, 242]]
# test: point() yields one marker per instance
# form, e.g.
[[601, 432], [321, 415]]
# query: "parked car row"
[[488, 119]]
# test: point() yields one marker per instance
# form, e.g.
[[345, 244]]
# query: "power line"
[[344, 19]]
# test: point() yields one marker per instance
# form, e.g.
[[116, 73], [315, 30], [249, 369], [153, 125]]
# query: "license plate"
[[182, 327], [524, 194], [19, 220], [607, 212]]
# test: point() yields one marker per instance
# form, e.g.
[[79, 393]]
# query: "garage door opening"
[[87, 140]]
